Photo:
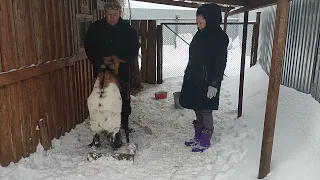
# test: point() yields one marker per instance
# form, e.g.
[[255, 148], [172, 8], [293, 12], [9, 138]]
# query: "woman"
[[203, 75]]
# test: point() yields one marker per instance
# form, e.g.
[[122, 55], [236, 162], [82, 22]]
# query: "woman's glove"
[[212, 92]]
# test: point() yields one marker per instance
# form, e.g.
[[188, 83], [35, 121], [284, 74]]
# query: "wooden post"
[[225, 23], [144, 52], [279, 41], [159, 54], [243, 62], [151, 51], [255, 39]]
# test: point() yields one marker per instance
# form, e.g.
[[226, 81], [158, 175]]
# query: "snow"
[[161, 130]]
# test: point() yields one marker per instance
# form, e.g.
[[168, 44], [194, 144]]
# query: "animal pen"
[[45, 76]]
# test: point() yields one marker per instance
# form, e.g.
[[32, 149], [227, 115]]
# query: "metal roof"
[[230, 6]]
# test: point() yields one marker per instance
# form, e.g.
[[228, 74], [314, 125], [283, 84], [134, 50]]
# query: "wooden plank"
[[29, 30], [77, 85], [63, 44], [45, 108], [144, 52], [60, 102], [23, 111], [66, 102], [11, 120], [70, 97], [86, 87], [279, 42], [151, 48], [34, 93], [66, 16], [46, 29], [26, 73], [7, 35], [56, 11], [35, 13], [78, 11], [45, 128], [52, 31], [74, 26], [71, 26], [15, 76], [243, 62], [26, 107], [54, 110], [15, 117], [21, 40], [82, 88], [6, 151], [51, 116], [80, 91]]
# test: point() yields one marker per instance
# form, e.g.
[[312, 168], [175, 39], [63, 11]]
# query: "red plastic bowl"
[[161, 95]]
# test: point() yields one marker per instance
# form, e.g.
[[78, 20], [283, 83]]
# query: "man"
[[113, 36]]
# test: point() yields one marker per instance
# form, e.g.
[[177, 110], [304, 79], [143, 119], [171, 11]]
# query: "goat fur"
[[105, 103]]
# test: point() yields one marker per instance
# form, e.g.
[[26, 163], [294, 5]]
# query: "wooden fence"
[[45, 76]]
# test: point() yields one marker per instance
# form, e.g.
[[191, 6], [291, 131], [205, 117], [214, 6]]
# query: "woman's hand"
[[212, 92]]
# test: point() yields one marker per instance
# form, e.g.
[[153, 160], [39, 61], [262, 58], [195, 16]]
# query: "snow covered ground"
[[162, 155]]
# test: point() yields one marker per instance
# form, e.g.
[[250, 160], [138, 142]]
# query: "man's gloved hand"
[[212, 92]]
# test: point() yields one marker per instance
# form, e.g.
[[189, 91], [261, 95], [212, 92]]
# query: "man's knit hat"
[[113, 4]]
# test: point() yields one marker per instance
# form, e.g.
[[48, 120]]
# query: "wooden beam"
[[226, 2], [243, 61], [11, 77], [180, 4], [279, 41], [252, 5]]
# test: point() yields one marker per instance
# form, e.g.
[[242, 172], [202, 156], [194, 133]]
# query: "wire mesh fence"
[[176, 40]]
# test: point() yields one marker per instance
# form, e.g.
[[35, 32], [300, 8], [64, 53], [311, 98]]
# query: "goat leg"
[[95, 141]]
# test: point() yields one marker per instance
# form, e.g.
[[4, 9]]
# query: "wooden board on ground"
[[126, 152]]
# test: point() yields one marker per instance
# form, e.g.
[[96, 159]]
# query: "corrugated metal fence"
[[301, 60]]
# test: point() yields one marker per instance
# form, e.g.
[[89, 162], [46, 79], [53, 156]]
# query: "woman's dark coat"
[[207, 62]]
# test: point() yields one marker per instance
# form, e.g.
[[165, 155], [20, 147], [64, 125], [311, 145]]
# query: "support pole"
[[279, 41], [255, 39], [225, 23], [159, 54], [243, 62]]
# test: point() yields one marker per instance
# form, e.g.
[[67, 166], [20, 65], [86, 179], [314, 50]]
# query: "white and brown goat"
[[105, 104]]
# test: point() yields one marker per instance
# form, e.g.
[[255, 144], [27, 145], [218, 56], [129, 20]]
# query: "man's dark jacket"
[[121, 40]]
